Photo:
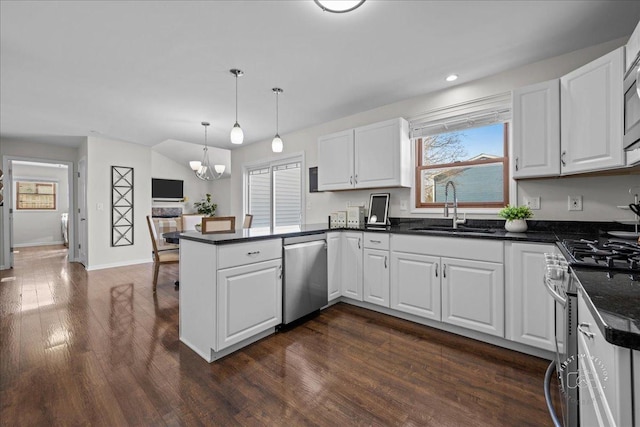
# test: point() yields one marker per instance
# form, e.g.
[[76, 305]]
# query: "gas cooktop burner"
[[608, 254]]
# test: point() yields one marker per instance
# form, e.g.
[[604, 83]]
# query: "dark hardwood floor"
[[99, 348]]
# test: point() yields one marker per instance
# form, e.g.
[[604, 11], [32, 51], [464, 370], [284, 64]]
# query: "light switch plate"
[[532, 202]]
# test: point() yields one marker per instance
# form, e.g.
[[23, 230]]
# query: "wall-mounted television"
[[167, 188]]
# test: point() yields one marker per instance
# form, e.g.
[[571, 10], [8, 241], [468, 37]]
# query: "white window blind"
[[287, 194], [260, 197], [476, 113], [274, 194]]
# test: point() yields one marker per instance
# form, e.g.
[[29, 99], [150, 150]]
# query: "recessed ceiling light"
[[452, 77]]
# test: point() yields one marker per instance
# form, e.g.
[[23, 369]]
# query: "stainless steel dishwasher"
[[305, 276]]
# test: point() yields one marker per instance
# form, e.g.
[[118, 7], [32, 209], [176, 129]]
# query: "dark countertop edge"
[[614, 336], [624, 339]]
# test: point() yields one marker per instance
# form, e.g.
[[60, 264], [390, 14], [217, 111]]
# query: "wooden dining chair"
[[160, 256], [218, 224], [248, 219]]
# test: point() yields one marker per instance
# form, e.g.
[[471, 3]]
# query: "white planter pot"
[[516, 225]]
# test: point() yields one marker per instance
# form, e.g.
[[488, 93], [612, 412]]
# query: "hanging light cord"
[[277, 93], [236, 97]]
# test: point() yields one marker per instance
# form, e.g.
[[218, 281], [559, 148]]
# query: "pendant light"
[[203, 169], [237, 136], [276, 144]]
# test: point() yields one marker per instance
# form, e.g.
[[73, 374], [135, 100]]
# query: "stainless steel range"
[[604, 254], [611, 256]]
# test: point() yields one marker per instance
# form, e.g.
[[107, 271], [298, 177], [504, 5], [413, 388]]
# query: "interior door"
[[83, 244]]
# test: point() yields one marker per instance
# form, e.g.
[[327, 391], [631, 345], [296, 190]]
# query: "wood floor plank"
[[101, 348]]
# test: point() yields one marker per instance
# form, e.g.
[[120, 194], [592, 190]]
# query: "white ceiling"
[[151, 71]]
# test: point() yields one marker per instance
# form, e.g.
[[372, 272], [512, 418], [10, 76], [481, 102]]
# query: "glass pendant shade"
[[276, 144], [219, 168], [237, 135]]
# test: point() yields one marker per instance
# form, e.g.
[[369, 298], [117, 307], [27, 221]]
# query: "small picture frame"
[[378, 210]]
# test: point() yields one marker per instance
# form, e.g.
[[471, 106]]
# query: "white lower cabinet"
[[376, 276], [604, 375], [473, 295], [352, 265], [249, 301], [427, 281], [334, 265], [530, 309], [415, 284]]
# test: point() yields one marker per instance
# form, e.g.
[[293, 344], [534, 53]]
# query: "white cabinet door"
[[473, 295], [334, 264], [335, 161], [376, 276], [536, 130], [382, 155], [530, 310], [249, 301], [415, 284], [352, 265], [591, 102], [632, 48]]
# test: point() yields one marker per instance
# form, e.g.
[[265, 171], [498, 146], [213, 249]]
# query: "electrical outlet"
[[532, 202], [575, 203], [404, 205]]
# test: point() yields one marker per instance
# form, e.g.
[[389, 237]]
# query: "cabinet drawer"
[[233, 255], [471, 249], [376, 241]]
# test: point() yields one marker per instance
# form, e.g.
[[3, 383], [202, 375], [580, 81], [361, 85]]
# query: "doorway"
[[39, 206]]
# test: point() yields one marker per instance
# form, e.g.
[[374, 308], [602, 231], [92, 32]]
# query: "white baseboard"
[[117, 264], [26, 245]]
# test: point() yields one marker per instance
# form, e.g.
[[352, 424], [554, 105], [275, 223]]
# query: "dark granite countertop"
[[614, 299]]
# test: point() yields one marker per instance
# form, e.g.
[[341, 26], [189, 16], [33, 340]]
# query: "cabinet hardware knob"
[[564, 153], [375, 241], [351, 180], [356, 178], [516, 164], [444, 270], [253, 253], [583, 325], [385, 261], [437, 267], [359, 243], [280, 272]]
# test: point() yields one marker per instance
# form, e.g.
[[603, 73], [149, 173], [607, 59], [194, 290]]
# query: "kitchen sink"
[[450, 229]]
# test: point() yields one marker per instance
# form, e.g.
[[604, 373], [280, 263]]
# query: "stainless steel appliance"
[[305, 276], [561, 285], [632, 113], [610, 256]]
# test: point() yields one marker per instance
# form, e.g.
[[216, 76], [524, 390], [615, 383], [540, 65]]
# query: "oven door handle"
[[547, 394], [556, 296]]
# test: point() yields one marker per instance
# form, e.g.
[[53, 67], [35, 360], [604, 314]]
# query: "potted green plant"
[[206, 207], [516, 218]]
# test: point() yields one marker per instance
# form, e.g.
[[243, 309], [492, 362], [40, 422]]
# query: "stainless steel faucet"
[[456, 220]]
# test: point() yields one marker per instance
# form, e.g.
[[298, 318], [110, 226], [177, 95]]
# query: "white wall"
[[102, 153], [38, 227], [608, 192], [194, 188]]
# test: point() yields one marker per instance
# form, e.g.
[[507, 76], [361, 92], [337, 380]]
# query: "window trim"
[[417, 185], [298, 156], [37, 183]]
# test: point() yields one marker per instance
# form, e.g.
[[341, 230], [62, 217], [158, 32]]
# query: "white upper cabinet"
[[373, 156], [335, 161], [536, 130], [591, 115]]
